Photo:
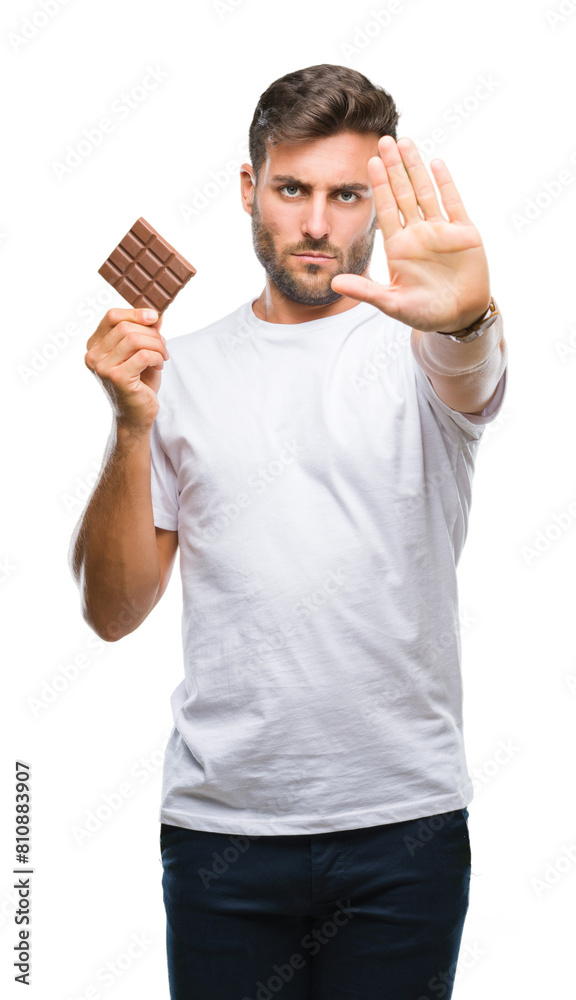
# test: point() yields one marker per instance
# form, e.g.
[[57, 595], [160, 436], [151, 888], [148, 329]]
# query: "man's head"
[[311, 136]]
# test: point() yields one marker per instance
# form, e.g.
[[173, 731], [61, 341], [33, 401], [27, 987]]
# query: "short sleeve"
[[163, 483], [471, 424]]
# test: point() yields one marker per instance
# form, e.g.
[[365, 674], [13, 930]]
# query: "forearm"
[[464, 376], [113, 553]]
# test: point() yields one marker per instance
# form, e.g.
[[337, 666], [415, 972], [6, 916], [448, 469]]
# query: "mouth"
[[315, 258]]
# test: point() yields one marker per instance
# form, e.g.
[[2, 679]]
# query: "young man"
[[312, 455]]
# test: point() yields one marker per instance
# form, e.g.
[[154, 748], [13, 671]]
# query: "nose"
[[315, 221]]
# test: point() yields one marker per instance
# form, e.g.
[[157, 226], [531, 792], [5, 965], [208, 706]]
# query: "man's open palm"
[[438, 269]]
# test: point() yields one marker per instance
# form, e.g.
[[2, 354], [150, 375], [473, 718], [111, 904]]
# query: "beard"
[[313, 286]]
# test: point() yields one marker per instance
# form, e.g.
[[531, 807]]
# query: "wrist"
[[464, 323], [131, 433], [476, 328]]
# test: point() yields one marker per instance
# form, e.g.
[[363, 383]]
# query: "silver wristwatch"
[[477, 328]]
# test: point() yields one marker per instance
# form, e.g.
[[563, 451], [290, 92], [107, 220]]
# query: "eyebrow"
[[287, 179]]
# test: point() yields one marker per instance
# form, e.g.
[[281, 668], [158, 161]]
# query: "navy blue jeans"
[[368, 914]]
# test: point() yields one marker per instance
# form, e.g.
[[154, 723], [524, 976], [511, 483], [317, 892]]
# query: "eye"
[[349, 201]]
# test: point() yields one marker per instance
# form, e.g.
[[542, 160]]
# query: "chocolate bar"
[[146, 269]]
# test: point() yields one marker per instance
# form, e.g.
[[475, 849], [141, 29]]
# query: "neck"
[[274, 307]]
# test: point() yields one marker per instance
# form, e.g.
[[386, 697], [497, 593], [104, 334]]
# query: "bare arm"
[[120, 561], [118, 558]]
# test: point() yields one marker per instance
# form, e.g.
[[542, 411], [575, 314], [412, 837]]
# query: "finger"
[[132, 341], [135, 365], [122, 341], [451, 199], [399, 178], [384, 201], [365, 290], [422, 183], [115, 316], [133, 331]]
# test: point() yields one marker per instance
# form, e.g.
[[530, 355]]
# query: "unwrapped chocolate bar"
[[146, 269]]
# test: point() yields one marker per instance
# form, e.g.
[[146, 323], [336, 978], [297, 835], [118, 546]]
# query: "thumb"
[[366, 290]]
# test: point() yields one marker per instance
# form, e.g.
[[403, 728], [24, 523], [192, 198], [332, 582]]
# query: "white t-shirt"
[[321, 493]]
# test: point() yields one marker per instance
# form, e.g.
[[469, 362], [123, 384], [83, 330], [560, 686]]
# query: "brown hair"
[[319, 101]]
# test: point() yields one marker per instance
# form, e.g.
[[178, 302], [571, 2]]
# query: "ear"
[[247, 186]]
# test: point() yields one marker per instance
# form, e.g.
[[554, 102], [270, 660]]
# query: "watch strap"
[[477, 328]]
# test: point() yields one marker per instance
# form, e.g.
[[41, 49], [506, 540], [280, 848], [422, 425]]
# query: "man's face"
[[315, 197]]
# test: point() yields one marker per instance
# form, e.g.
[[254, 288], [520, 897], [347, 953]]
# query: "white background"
[[517, 586]]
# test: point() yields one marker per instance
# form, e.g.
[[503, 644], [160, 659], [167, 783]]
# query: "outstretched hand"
[[438, 268]]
